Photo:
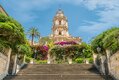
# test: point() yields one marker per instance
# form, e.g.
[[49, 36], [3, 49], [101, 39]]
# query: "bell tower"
[[60, 25], [60, 29]]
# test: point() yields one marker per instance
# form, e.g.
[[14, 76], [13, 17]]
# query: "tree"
[[87, 51], [12, 38], [11, 32], [33, 32], [106, 43], [107, 40], [111, 41]]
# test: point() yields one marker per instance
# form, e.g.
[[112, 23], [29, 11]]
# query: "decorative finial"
[[59, 7]]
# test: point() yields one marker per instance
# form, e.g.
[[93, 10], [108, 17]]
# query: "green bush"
[[27, 59], [90, 60], [106, 40], [41, 61], [79, 60]]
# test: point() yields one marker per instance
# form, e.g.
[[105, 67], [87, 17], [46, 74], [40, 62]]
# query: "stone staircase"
[[57, 72]]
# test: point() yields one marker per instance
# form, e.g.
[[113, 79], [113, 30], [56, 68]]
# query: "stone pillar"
[[87, 61], [24, 59], [108, 59], [48, 61], [69, 60], [31, 61], [8, 51], [102, 64], [15, 64], [94, 59]]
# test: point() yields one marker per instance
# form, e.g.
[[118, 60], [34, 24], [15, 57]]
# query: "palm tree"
[[33, 32]]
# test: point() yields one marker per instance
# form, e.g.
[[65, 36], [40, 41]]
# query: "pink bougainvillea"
[[42, 51], [66, 43]]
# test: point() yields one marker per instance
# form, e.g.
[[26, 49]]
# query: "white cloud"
[[108, 15], [107, 4]]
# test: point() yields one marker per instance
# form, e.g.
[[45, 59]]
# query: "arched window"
[[60, 33], [59, 22]]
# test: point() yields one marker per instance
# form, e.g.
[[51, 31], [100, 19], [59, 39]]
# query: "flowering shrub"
[[42, 52], [60, 53], [78, 53], [66, 43]]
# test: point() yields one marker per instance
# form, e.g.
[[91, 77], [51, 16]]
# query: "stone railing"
[[3, 66]]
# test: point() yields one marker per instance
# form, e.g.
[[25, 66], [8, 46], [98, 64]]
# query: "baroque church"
[[60, 29]]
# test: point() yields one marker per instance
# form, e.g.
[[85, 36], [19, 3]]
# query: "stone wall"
[[99, 62], [109, 66], [114, 65], [3, 66]]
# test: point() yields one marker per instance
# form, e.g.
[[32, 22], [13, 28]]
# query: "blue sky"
[[86, 18]]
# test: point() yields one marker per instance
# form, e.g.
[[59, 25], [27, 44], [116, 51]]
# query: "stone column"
[[87, 61], [69, 60], [24, 59], [8, 51], [108, 58], [15, 65], [94, 59], [32, 61], [48, 61], [102, 64]]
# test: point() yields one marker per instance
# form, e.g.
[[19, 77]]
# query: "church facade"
[[60, 29]]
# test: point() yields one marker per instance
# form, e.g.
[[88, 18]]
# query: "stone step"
[[59, 68], [55, 77], [61, 65], [58, 72]]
